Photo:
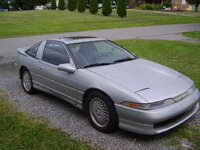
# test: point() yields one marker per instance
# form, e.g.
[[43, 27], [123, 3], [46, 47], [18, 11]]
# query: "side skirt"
[[54, 92]]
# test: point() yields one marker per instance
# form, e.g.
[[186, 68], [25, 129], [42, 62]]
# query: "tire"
[[26, 81], [101, 112]]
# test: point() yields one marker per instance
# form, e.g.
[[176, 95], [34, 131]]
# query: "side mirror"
[[67, 68]]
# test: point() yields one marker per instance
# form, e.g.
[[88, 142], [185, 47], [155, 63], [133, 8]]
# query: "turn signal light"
[[130, 104]]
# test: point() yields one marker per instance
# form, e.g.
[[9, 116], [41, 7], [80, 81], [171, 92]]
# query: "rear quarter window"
[[33, 50]]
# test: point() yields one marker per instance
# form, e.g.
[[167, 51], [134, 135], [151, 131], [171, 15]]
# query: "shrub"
[[121, 8], [143, 6], [93, 6], [106, 8], [167, 3], [81, 5], [157, 7], [148, 6], [53, 4], [61, 4], [71, 5]]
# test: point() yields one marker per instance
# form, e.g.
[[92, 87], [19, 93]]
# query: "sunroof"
[[77, 37]]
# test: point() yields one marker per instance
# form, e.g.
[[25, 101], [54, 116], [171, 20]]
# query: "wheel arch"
[[88, 92], [22, 68]]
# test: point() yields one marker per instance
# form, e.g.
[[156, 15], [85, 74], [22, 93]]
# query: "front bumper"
[[157, 120]]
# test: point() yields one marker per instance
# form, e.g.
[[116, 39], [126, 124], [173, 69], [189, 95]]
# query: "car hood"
[[150, 80]]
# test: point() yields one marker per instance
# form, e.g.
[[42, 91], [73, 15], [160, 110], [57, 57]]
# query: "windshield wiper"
[[124, 59], [97, 64]]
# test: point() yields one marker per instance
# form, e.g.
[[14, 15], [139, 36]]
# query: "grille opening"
[[169, 121]]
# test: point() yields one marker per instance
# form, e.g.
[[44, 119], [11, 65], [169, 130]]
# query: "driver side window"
[[55, 53]]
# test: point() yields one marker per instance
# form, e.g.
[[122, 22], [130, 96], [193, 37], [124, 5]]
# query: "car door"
[[59, 82]]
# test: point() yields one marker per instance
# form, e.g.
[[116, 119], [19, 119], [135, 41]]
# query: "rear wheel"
[[27, 83], [101, 112]]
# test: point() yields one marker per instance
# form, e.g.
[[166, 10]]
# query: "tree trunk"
[[196, 7]]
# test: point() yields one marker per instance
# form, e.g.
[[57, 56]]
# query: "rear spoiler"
[[22, 50]]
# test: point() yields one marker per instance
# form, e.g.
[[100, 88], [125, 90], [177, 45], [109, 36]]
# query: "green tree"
[[27, 4], [71, 5], [121, 8], [196, 2], [53, 4], [106, 8], [61, 4], [81, 5], [4, 4], [41, 2], [93, 6]]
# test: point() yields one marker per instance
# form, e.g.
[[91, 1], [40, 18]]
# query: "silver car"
[[113, 86]]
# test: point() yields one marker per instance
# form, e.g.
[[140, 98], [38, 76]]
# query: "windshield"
[[98, 53]]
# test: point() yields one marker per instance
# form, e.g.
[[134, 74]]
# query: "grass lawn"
[[193, 34], [189, 13], [184, 13], [22, 23], [183, 57], [21, 131]]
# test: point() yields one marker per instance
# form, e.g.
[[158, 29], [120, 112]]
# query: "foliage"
[[53, 4], [81, 5], [61, 4], [93, 6], [196, 2], [41, 2], [71, 5], [106, 8], [167, 3], [157, 7], [4, 4], [23, 4], [121, 8], [148, 6], [27, 5]]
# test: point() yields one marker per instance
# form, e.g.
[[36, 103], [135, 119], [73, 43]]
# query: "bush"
[[81, 5], [93, 6], [71, 5], [121, 8], [148, 6], [157, 7], [106, 8], [142, 6], [61, 4], [53, 4], [167, 3]]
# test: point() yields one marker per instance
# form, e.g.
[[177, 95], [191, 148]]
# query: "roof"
[[78, 39]]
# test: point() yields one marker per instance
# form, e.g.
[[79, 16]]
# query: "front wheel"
[[101, 112], [27, 83]]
